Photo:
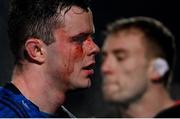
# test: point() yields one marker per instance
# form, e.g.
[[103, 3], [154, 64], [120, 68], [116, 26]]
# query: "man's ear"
[[35, 50], [158, 68]]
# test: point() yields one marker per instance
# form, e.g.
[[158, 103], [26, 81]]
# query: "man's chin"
[[85, 83]]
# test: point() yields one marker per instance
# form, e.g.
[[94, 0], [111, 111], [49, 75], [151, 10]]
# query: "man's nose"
[[92, 47], [106, 67]]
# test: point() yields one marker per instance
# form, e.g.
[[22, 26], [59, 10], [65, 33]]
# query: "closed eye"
[[120, 54]]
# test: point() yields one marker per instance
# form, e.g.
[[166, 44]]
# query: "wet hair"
[[36, 19], [159, 41]]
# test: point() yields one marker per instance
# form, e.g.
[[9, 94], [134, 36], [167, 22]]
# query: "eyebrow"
[[115, 51], [83, 34]]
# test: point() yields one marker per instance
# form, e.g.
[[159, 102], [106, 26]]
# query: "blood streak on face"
[[73, 54]]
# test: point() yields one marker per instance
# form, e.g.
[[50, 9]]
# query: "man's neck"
[[149, 105], [39, 90]]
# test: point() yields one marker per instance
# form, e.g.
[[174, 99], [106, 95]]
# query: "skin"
[[54, 69], [124, 67], [129, 74], [73, 50]]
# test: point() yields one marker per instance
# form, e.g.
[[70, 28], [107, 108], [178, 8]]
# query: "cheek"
[[133, 73], [71, 53], [126, 72], [74, 55], [78, 52], [130, 66]]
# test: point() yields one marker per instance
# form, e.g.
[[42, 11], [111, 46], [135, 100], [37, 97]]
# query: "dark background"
[[89, 102]]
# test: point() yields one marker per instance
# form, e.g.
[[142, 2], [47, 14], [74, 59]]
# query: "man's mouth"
[[89, 69]]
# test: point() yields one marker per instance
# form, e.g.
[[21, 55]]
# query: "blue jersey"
[[14, 104]]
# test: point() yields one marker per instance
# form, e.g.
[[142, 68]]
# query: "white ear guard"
[[161, 66]]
